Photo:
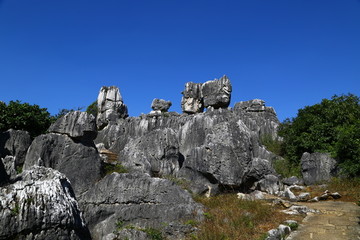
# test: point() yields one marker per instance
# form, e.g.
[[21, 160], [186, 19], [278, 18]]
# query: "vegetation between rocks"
[[228, 217]]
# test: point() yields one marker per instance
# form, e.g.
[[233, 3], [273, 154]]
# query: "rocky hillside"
[[67, 189]]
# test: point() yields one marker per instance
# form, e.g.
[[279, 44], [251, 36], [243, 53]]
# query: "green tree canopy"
[[331, 126], [23, 116], [92, 109]]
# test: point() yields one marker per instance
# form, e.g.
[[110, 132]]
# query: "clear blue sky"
[[58, 54]]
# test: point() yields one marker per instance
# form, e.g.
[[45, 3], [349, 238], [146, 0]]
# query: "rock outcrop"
[[192, 100], [317, 167], [136, 201], [77, 125], [212, 94], [258, 117], [78, 160], [160, 105], [217, 93], [40, 206], [209, 149], [110, 106], [15, 143]]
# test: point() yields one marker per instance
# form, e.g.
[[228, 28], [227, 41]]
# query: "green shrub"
[[153, 233], [109, 168]]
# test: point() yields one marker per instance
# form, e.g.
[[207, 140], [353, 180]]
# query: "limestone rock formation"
[[14, 143], [192, 100], [78, 125], [136, 200], [155, 153], [80, 163], [110, 106], [209, 149], [78, 160], [160, 105], [217, 93], [258, 117], [317, 167], [40, 206]]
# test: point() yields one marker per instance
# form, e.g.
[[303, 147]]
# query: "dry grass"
[[348, 188], [228, 217]]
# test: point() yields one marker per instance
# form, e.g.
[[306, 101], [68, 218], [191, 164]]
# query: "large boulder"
[[40, 206], [160, 105], [224, 155], [15, 143], [192, 100], [80, 163], [78, 125], [217, 93], [155, 153], [110, 106], [136, 201], [317, 167]]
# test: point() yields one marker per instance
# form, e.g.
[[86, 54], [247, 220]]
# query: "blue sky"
[[58, 54]]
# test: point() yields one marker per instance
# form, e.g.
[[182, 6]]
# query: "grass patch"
[[109, 168], [349, 188], [15, 210], [152, 233], [228, 217], [182, 182]]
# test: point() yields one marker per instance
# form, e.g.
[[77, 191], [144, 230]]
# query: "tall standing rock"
[[110, 106], [217, 93], [317, 167], [192, 100]]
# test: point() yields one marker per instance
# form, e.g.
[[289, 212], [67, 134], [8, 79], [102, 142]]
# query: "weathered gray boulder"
[[317, 167], [15, 143], [136, 200], [192, 100], [257, 170], [40, 206], [217, 93], [110, 106], [293, 180], [270, 184], [80, 126], [80, 163], [224, 155], [155, 153], [160, 105]]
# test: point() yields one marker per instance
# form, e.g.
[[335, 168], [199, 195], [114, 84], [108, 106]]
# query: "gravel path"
[[336, 221]]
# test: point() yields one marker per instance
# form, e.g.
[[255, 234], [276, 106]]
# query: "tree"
[[23, 116], [92, 109], [331, 126]]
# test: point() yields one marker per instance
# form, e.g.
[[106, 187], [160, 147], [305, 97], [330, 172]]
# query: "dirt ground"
[[336, 221]]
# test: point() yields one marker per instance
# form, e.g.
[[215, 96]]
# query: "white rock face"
[[42, 205], [110, 106], [192, 100]]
